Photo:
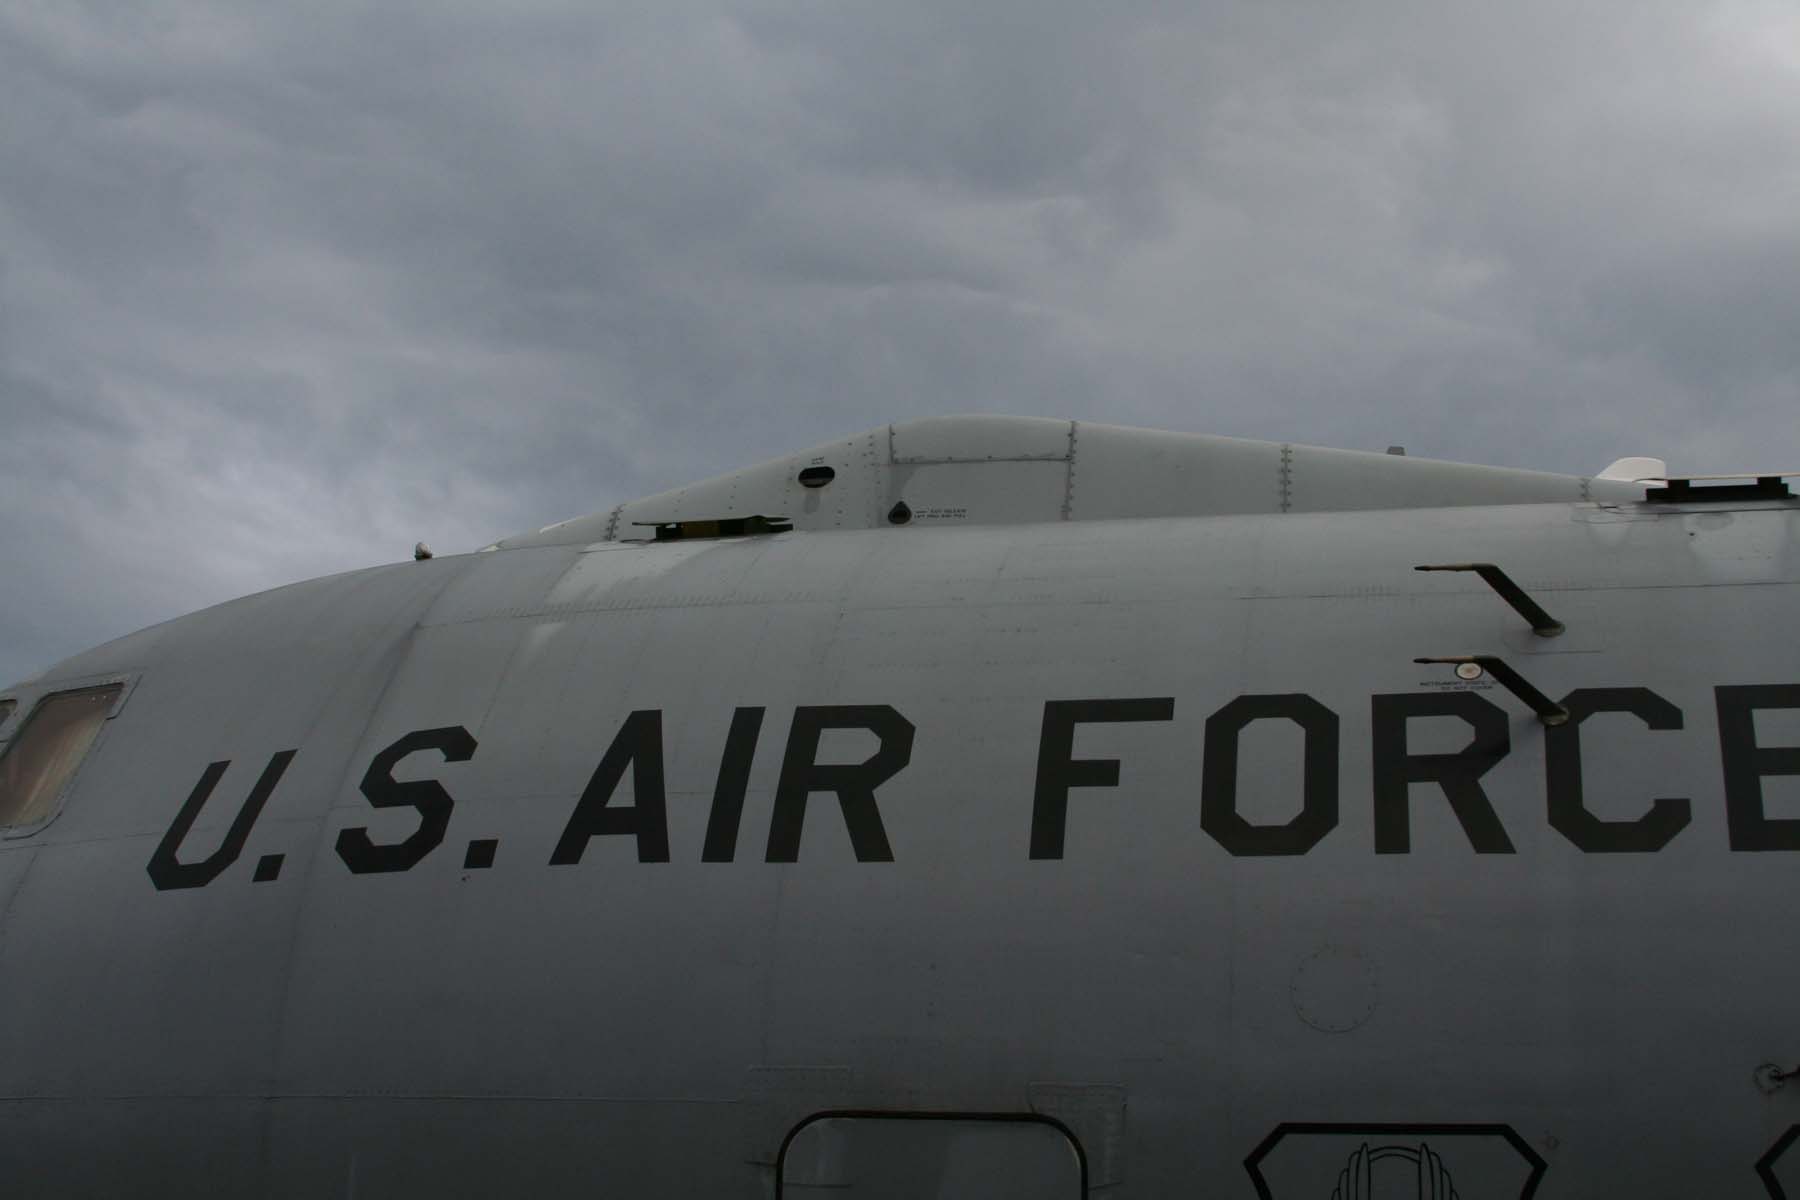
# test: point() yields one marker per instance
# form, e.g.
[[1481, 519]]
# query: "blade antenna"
[[1542, 623]]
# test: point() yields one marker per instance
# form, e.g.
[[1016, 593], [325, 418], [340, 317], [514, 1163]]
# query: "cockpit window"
[[41, 757], [6, 707]]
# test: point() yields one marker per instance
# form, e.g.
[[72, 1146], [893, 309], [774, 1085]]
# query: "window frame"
[[884, 1114], [29, 699]]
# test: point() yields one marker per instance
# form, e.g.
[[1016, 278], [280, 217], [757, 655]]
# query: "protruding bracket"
[[1542, 623], [1548, 710]]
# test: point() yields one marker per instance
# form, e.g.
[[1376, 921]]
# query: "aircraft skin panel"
[[954, 472], [635, 1019]]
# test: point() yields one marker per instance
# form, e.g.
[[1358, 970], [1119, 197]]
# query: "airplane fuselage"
[[599, 868]]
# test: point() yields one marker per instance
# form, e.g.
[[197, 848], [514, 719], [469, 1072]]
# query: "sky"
[[285, 288]]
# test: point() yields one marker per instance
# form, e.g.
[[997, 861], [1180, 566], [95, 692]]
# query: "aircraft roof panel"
[[986, 470]]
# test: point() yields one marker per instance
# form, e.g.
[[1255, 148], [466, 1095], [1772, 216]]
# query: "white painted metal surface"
[[1205, 1011], [986, 470]]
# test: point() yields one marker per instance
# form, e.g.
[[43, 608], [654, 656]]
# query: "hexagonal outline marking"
[[1253, 1163]]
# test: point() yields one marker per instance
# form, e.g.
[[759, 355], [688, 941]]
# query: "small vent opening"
[[817, 477], [1766, 487], [724, 527]]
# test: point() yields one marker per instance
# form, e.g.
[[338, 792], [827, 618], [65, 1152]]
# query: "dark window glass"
[[6, 707], [42, 756]]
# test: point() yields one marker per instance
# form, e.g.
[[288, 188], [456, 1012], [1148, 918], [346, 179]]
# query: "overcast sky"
[[286, 288]]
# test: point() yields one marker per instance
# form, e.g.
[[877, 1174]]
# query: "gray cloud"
[[286, 288]]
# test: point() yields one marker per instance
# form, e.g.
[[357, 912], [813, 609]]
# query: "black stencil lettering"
[[1746, 763], [1458, 774], [734, 777], [1569, 814], [854, 783], [167, 872], [1058, 769], [639, 745], [1319, 791], [427, 796]]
